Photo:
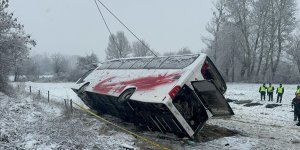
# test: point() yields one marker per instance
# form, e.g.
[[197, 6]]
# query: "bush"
[[5, 87]]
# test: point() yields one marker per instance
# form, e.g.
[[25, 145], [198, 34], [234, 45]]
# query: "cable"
[[126, 27], [112, 36]]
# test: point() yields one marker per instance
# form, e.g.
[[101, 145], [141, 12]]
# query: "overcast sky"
[[75, 26]]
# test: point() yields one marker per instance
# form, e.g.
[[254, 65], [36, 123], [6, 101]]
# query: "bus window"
[[115, 64], [155, 62], [128, 63], [105, 65], [81, 79], [141, 63], [178, 62]]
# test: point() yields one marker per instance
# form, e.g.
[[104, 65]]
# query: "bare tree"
[[286, 24], [32, 69], [139, 49], [256, 33], [294, 51], [263, 8], [60, 64], [214, 27], [118, 46], [184, 50], [88, 62]]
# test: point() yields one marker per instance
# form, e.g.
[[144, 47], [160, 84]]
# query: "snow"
[[57, 91], [30, 123], [178, 62]]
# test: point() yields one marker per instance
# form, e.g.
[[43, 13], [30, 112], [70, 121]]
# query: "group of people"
[[269, 90], [280, 90]]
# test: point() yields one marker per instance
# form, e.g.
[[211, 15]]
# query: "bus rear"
[[200, 95]]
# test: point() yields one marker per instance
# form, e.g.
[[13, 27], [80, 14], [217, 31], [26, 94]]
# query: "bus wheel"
[[124, 97]]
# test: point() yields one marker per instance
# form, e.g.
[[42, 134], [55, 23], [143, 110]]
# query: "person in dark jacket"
[[270, 91], [279, 92], [262, 91], [296, 105]]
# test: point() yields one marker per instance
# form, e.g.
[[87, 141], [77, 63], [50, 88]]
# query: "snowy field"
[[41, 125]]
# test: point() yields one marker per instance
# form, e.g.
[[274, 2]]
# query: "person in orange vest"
[[270, 91], [279, 92], [262, 91]]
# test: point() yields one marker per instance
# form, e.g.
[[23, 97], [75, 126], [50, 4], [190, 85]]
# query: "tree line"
[[55, 68], [120, 47], [259, 38]]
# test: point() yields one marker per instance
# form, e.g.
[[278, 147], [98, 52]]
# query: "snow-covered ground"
[[28, 122], [32, 124], [57, 91]]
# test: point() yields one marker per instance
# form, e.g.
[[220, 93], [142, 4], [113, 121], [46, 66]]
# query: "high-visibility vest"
[[262, 89], [270, 89], [298, 91], [280, 90]]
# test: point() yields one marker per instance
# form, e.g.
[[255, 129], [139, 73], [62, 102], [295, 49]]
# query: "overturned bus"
[[176, 94]]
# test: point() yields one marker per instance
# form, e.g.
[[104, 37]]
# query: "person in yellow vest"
[[279, 92], [297, 90], [262, 91], [270, 91]]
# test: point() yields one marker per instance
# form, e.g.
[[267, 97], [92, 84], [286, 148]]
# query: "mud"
[[252, 104], [228, 100], [243, 101], [272, 105], [212, 132]]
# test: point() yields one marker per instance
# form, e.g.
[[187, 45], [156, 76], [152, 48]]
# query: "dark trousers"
[[296, 114], [262, 95], [279, 97], [270, 94]]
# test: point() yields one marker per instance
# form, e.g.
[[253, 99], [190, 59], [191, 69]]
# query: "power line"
[[111, 35], [124, 26]]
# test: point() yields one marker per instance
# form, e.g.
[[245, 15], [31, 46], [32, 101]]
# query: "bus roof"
[[150, 62]]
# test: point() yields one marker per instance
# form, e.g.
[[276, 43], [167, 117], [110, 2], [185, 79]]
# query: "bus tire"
[[125, 96]]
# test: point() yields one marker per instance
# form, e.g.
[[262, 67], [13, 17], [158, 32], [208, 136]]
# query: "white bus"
[[174, 94]]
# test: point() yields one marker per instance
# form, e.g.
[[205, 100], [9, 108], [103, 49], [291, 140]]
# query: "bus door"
[[212, 98]]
